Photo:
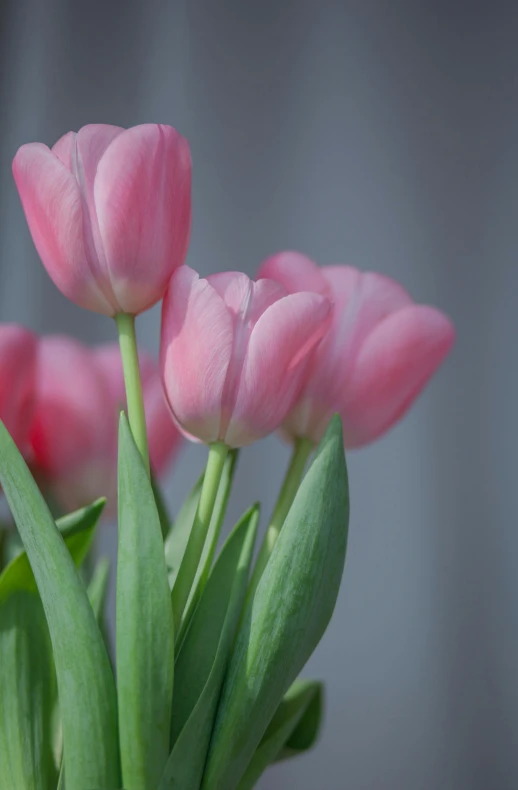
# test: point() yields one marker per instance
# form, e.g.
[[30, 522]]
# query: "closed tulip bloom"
[[79, 395], [109, 210], [379, 353], [17, 377], [234, 353]]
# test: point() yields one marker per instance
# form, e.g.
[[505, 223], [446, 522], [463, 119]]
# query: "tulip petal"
[[64, 149], [394, 364], [142, 196], [195, 351], [52, 203], [74, 432], [275, 364], [17, 379], [295, 272], [91, 143]]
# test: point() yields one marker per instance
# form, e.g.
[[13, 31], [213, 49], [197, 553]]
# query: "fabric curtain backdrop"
[[383, 135]]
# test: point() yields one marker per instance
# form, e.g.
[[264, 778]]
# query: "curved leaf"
[[78, 530], [144, 627], [178, 535], [85, 680], [287, 616], [203, 657], [306, 733]]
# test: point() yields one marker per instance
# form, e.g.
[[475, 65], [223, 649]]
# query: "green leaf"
[[85, 680], [295, 717], [287, 616], [144, 630], [27, 682], [78, 530], [202, 660], [306, 733], [178, 535], [209, 550], [98, 587]]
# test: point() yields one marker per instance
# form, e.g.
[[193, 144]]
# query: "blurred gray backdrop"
[[385, 135]]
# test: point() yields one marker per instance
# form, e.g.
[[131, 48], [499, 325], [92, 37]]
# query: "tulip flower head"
[[79, 396], [379, 353], [17, 379], [109, 211], [235, 353]]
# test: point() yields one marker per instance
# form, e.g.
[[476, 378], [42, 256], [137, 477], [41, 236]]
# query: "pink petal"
[[91, 144], [17, 379], [65, 148], [394, 364], [195, 351], [142, 195], [276, 364], [295, 272], [52, 203], [74, 419]]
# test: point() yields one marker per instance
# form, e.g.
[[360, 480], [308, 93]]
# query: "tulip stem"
[[301, 452], [134, 397], [194, 549]]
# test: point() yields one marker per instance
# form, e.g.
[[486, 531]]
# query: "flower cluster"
[[203, 690], [109, 211]]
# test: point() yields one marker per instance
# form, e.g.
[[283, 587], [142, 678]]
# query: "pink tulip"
[[378, 355], [234, 354], [79, 395], [109, 211], [17, 376]]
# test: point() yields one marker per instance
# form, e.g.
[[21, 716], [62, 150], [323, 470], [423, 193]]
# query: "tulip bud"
[[234, 353], [380, 351], [109, 211]]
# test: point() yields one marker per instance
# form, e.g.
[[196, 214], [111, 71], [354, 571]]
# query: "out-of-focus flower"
[[79, 395], [234, 353], [17, 377], [379, 353], [109, 210]]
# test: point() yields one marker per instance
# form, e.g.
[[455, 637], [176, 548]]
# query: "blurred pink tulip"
[[234, 353], [79, 394], [109, 211], [17, 377], [378, 355]]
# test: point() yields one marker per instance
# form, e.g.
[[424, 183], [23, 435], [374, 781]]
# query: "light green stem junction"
[[134, 397], [194, 549], [301, 452]]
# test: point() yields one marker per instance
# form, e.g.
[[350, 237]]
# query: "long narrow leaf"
[[203, 657], [27, 683], [287, 616], [178, 535], [85, 680], [144, 632]]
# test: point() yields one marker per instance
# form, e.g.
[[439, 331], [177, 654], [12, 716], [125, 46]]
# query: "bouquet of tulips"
[[201, 690]]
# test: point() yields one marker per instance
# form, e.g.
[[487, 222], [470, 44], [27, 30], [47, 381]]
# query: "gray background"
[[383, 134]]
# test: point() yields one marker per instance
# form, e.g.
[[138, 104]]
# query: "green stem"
[[134, 397], [301, 452], [194, 549]]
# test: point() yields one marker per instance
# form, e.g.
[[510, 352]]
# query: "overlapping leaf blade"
[[203, 658], [304, 698], [287, 616], [77, 529], [85, 680], [145, 631], [27, 683]]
